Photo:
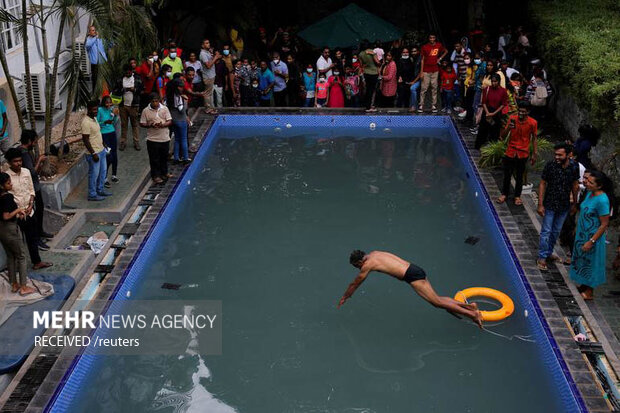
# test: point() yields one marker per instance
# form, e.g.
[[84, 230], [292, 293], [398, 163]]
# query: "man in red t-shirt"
[[522, 130], [432, 53]]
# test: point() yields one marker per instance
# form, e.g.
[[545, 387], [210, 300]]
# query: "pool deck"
[[34, 384]]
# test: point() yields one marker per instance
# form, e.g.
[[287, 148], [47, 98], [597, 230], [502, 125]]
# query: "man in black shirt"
[[559, 179]]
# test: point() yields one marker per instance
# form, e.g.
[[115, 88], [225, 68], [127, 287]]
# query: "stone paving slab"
[[132, 165]]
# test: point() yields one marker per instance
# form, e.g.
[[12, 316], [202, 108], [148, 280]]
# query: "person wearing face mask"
[[227, 57], [165, 75], [174, 61], [405, 70], [521, 132], [222, 81], [322, 92], [171, 45], [335, 84], [280, 71], [469, 88], [309, 85], [255, 94], [148, 72]]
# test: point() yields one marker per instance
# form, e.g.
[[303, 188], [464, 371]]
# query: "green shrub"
[[579, 41], [491, 154]]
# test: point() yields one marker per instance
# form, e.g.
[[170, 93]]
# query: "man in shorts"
[[407, 272]]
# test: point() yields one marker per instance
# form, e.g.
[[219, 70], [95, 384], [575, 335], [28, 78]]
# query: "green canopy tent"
[[347, 27]]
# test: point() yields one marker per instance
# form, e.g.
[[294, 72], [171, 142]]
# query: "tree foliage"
[[579, 41]]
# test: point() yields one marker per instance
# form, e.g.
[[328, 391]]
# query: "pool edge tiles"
[[553, 359], [562, 369], [66, 382]]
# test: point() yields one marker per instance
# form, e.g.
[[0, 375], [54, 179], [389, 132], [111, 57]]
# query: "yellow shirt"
[[23, 188], [91, 128]]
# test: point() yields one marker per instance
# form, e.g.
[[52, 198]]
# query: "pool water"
[[267, 225]]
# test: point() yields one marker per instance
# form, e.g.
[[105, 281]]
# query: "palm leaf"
[[492, 153]]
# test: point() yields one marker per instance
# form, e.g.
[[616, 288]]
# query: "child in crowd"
[[352, 87], [322, 92], [255, 93], [309, 86], [448, 77]]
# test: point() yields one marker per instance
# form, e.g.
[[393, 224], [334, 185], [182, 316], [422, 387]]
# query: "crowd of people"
[[499, 89]]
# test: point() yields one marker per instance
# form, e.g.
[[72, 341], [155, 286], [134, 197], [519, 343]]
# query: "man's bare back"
[[386, 263], [403, 270]]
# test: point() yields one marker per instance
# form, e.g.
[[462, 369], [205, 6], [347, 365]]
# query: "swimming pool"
[[265, 219]]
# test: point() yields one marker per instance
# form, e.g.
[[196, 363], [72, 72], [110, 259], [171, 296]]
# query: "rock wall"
[[571, 116]]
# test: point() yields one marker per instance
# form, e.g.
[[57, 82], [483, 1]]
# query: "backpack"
[[539, 98]]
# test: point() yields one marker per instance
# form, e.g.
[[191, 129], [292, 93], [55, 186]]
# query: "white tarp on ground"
[[9, 302]]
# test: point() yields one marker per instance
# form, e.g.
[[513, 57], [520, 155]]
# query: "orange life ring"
[[508, 307]]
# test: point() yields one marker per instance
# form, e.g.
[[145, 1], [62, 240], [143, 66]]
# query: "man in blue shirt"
[[96, 53], [280, 71], [5, 143], [266, 82]]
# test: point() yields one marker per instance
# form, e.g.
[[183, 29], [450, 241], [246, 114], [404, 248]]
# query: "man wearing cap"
[[23, 192]]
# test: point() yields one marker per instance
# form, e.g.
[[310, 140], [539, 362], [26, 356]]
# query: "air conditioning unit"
[[37, 79], [81, 56]]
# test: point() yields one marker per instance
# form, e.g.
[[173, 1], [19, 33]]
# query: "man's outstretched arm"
[[353, 286]]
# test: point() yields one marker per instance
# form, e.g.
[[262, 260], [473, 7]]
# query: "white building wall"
[[15, 60]]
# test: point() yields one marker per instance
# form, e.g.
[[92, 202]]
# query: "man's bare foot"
[[25, 290], [42, 265], [14, 287], [478, 318], [501, 199]]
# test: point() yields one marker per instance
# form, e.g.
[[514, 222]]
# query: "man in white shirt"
[[156, 118], [324, 64], [23, 192]]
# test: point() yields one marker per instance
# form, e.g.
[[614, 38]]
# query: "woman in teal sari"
[[588, 264]]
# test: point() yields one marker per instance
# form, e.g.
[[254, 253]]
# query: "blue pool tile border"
[[547, 330], [285, 125]]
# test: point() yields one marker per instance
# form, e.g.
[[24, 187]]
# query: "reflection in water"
[[197, 399]]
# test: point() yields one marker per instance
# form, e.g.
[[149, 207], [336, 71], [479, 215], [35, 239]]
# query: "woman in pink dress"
[[389, 82], [335, 83]]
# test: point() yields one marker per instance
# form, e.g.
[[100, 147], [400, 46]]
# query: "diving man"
[[410, 273]]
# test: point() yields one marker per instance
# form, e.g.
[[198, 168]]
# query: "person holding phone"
[[521, 133]]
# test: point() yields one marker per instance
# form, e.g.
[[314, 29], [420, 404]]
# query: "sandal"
[[542, 265], [501, 199], [518, 201]]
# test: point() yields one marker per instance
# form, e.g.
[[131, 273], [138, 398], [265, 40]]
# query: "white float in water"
[[525, 313], [128, 294], [288, 126], [373, 126], [277, 129]]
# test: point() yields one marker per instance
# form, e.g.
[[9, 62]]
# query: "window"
[[8, 31]]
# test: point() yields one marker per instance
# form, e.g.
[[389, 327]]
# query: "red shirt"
[[143, 70], [447, 79], [431, 54], [494, 98], [519, 140], [188, 88]]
